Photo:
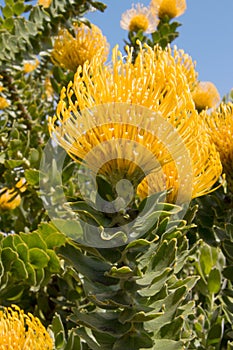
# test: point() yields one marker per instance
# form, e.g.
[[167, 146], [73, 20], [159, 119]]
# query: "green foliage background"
[[170, 289]]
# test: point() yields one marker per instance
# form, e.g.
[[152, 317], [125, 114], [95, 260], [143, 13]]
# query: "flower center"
[[168, 8], [139, 22]]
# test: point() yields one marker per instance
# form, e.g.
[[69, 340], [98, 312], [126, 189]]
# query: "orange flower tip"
[[139, 17]]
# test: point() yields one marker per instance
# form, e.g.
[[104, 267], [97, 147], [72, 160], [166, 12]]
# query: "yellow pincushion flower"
[[20, 331], [205, 95], [44, 3], [70, 52], [139, 17], [170, 8], [206, 169], [103, 104], [220, 128], [10, 197], [3, 103], [30, 66]]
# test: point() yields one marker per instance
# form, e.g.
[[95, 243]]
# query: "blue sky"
[[206, 34]]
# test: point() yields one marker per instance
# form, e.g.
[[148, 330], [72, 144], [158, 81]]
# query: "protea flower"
[[220, 128], [148, 106], [72, 51], [205, 95], [10, 197], [170, 8], [139, 17], [22, 331]]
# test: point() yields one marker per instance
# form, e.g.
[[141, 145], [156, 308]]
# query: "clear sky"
[[206, 34]]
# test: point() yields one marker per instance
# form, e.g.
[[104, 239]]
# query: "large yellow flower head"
[[220, 128], [205, 95], [20, 331], [72, 51], [135, 102], [139, 17], [170, 8]]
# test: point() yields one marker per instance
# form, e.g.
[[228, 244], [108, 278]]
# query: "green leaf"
[[157, 280], [34, 157], [8, 24], [19, 270], [8, 256], [81, 332], [165, 255], [173, 329], [32, 176], [90, 267], [7, 11], [104, 322], [133, 341], [22, 250], [13, 163], [8, 241], [215, 334], [73, 342], [38, 258], [33, 240], [122, 272], [40, 275], [227, 247], [54, 263], [205, 259], [228, 272], [58, 331], [15, 293], [31, 274], [9, 2], [18, 8], [214, 281], [55, 240], [71, 228], [137, 244], [167, 344]]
